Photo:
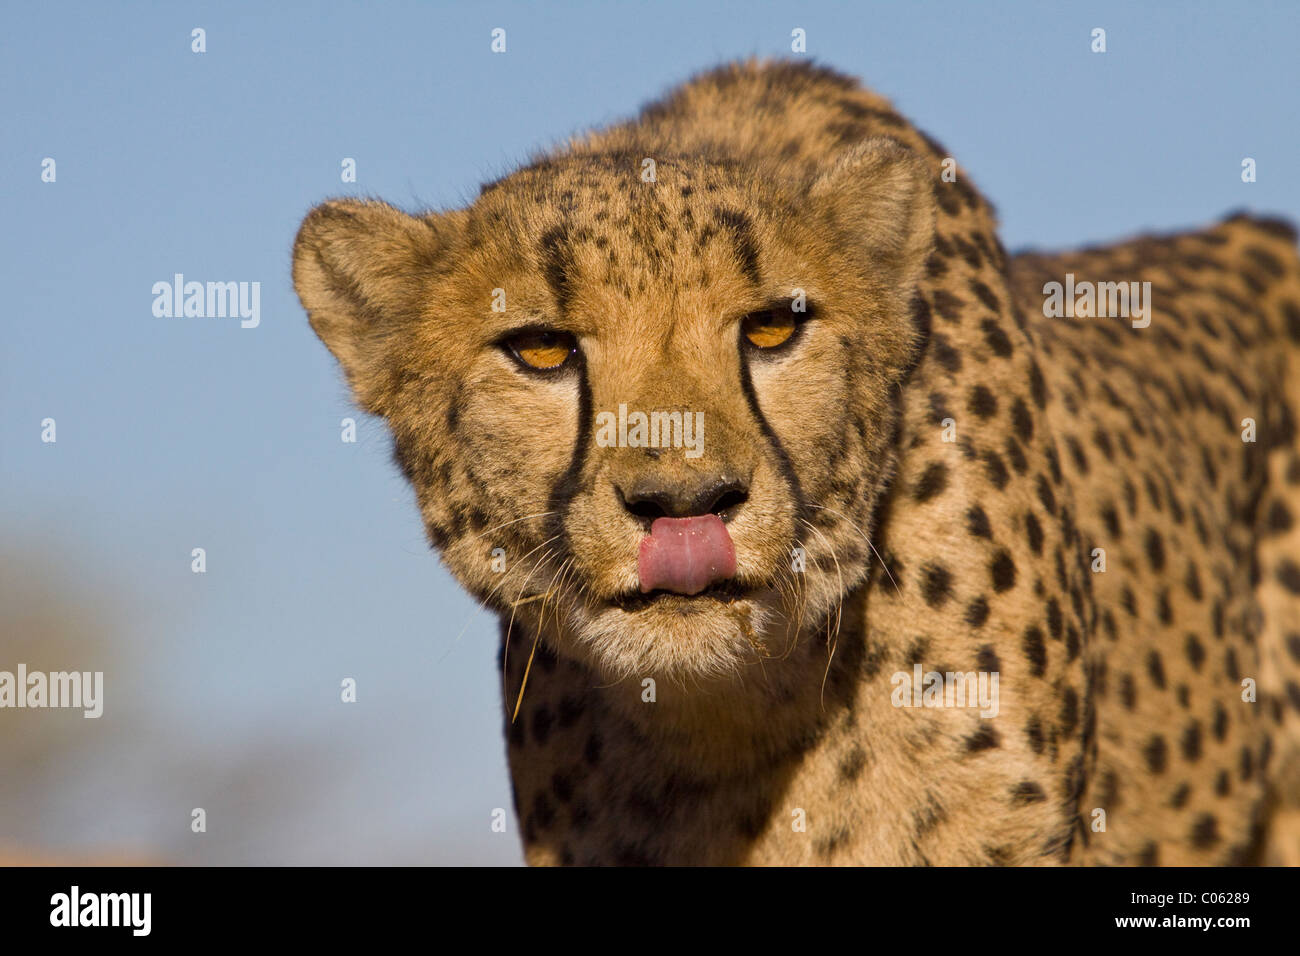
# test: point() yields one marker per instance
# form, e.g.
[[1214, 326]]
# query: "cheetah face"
[[762, 329]]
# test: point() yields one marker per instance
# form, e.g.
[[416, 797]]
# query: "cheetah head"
[[512, 347]]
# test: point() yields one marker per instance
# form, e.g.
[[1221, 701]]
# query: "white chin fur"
[[712, 640]]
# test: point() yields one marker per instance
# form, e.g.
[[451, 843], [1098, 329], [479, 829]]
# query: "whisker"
[[839, 610], [482, 605], [505, 653], [506, 524], [541, 621], [854, 526]]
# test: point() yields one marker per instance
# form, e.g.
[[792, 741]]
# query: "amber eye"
[[768, 329], [543, 349]]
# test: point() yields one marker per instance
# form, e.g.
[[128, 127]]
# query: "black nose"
[[654, 499]]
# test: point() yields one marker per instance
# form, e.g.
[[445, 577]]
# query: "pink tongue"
[[685, 555]]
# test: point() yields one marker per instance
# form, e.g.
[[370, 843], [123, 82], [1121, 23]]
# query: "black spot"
[[851, 766], [1223, 784], [1022, 420], [1034, 734], [542, 721], [996, 470], [1178, 799], [1191, 742], [986, 659], [1018, 460], [1034, 531], [1127, 691], [936, 584], [1149, 855], [1205, 832], [1266, 260], [1035, 650], [1076, 452], [977, 522], [1220, 725], [982, 402], [543, 814], [1071, 642], [1027, 792], [571, 708], [944, 353], [945, 194], [985, 295], [977, 612], [825, 847], [1003, 571], [1230, 667], [1156, 753], [1155, 546], [516, 734], [1156, 669], [933, 481], [916, 651], [1054, 618], [1278, 518], [1292, 320], [1163, 609], [1069, 710], [1195, 652], [562, 787], [1046, 496], [996, 338], [948, 305], [1111, 520], [1037, 387], [1288, 575], [1102, 441], [986, 738], [580, 816]]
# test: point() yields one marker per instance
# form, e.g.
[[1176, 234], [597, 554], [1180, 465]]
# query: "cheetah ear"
[[879, 193], [361, 269]]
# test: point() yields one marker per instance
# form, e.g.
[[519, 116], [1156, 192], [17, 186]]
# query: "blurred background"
[[222, 689]]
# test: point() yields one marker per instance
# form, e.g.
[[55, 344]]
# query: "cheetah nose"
[[685, 555], [720, 496]]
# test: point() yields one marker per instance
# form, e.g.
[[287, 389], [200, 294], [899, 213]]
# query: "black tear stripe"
[[557, 266], [567, 485], [741, 229], [783, 459]]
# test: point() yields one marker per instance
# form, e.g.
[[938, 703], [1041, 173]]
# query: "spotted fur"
[[1120, 690]]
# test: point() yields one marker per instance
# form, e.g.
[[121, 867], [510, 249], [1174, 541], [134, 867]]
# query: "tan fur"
[[1119, 691]]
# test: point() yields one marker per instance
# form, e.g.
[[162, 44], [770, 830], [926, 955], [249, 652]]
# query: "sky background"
[[223, 688]]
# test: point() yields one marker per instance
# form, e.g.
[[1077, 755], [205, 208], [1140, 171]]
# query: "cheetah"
[[911, 474]]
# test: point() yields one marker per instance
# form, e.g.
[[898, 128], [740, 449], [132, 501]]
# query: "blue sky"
[[182, 433]]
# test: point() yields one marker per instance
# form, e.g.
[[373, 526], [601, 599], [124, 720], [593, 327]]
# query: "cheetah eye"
[[770, 328], [544, 350]]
